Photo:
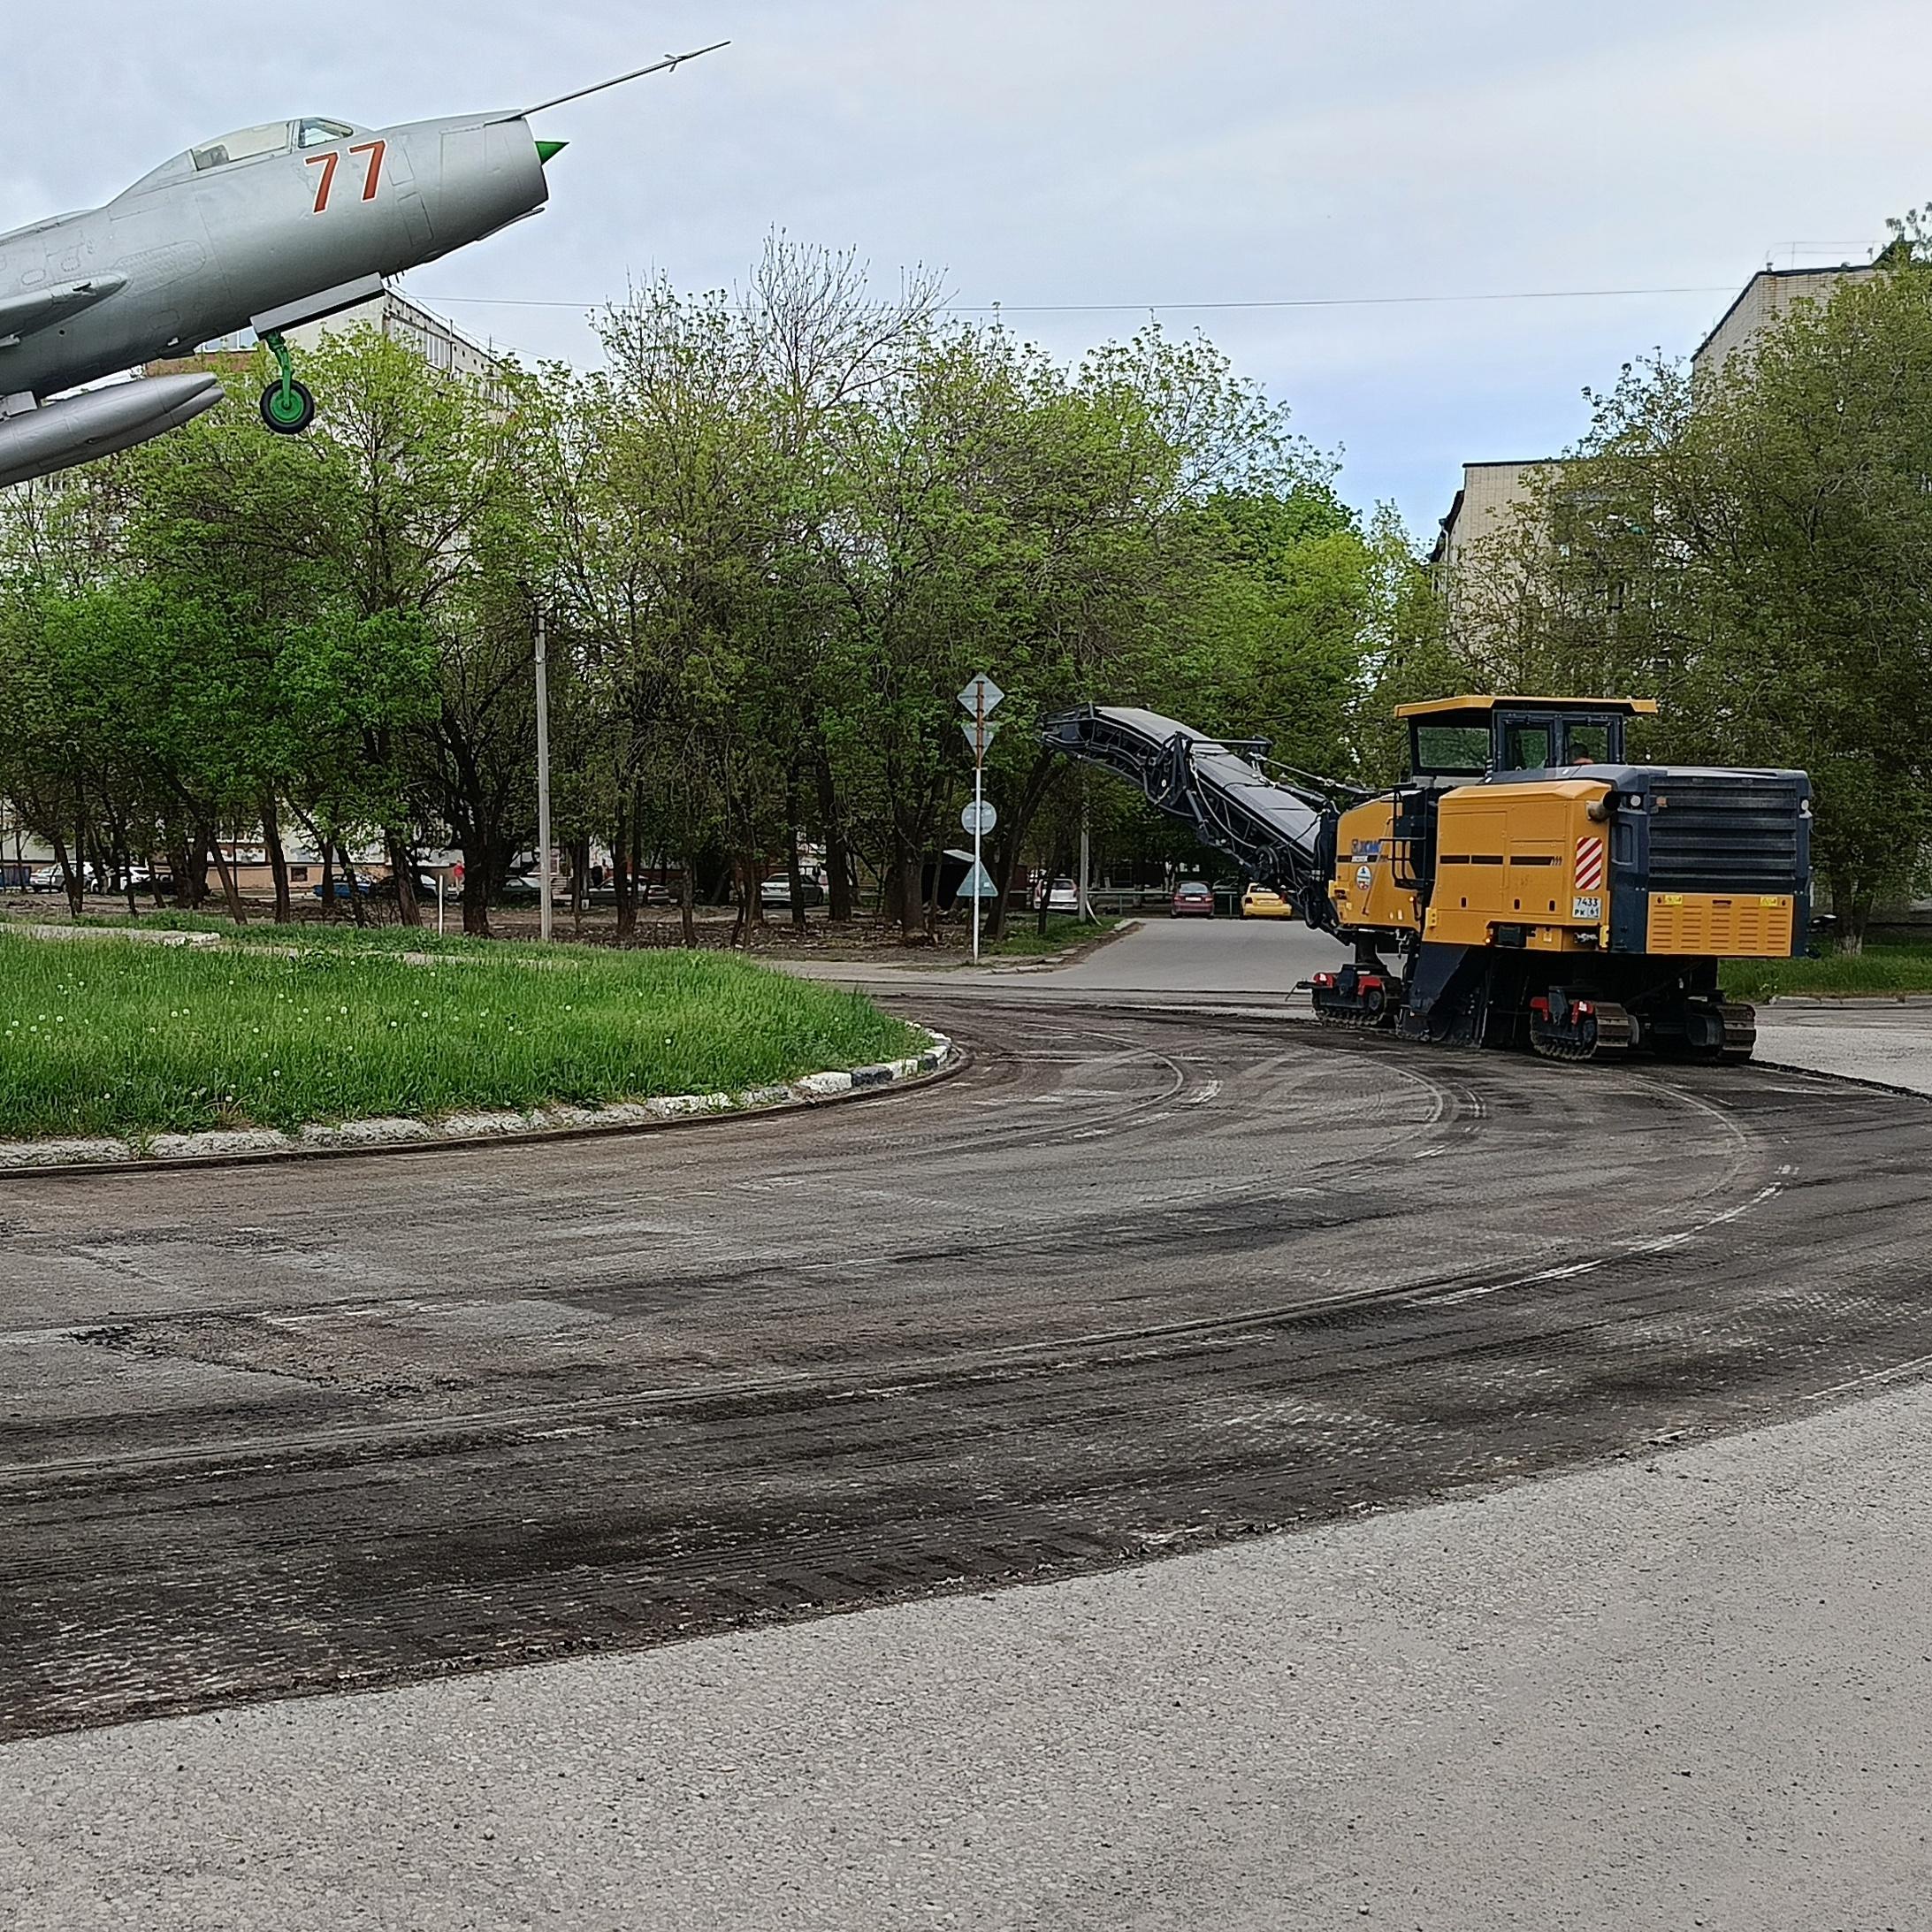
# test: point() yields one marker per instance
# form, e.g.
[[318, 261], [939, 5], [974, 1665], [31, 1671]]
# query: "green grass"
[[1881, 968], [1025, 941], [343, 937], [106, 1035]]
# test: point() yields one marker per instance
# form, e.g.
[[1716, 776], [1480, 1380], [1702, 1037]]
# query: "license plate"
[[1586, 908]]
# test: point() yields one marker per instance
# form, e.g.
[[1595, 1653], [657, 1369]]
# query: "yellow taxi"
[[1263, 901]]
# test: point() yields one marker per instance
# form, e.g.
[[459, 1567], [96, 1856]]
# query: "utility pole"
[[542, 775], [1085, 905]]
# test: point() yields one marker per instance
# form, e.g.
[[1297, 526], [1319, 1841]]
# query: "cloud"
[[1105, 151]]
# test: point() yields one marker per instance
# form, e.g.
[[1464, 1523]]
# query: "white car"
[[775, 893], [51, 879]]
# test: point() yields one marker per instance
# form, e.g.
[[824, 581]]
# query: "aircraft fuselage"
[[201, 251]]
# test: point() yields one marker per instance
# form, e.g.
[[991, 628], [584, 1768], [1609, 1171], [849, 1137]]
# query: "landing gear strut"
[[287, 408]]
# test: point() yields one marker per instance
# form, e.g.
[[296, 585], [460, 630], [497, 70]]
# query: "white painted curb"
[[18, 1157]]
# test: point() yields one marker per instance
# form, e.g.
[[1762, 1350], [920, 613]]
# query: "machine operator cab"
[[1455, 740], [1501, 791]]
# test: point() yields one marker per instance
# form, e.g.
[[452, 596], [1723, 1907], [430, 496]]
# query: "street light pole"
[[542, 775]]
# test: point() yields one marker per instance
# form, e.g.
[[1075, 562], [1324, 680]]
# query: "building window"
[[299, 873]]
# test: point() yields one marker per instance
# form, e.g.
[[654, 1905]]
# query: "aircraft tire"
[[275, 412]]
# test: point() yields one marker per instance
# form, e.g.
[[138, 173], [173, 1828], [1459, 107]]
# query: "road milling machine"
[[1525, 885]]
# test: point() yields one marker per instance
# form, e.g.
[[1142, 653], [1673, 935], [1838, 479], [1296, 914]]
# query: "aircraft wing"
[[25, 315]]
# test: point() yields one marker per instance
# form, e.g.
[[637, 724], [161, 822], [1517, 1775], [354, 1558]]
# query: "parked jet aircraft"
[[269, 228]]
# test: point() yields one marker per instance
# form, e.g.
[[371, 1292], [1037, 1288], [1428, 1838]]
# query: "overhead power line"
[[1156, 308]]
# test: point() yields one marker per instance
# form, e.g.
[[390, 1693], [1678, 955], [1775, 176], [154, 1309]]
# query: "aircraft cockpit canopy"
[[274, 137], [320, 133], [249, 144]]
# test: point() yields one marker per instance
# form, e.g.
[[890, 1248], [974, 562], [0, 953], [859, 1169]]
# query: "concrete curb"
[[1848, 1002], [395, 1135]]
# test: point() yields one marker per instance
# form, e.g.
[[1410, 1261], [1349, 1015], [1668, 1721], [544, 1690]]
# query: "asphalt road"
[[1682, 1690], [1156, 962], [1135, 1283]]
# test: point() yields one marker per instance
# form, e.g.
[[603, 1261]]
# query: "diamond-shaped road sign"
[[979, 736], [978, 885], [982, 695]]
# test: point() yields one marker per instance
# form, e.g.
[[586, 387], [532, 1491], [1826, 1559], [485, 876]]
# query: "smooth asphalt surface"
[[1139, 1282]]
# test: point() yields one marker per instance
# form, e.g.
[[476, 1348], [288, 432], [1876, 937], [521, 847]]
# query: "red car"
[[1192, 899]]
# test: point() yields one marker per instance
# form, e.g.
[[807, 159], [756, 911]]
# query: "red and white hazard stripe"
[[1589, 864]]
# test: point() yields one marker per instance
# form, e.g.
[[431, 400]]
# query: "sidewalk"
[[1889, 1042]]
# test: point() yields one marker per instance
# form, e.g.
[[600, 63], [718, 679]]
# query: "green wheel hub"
[[285, 405]]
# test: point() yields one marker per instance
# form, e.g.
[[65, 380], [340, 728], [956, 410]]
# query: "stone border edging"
[[563, 1121]]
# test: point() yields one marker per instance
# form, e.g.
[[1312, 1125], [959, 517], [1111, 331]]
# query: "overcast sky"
[[1081, 161]]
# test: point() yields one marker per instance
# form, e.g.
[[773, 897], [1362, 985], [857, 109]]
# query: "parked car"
[[51, 879], [776, 894], [524, 889], [346, 885], [1194, 898], [385, 887], [1261, 902], [1063, 896]]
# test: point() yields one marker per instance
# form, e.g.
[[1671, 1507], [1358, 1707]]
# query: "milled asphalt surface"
[[1682, 1690], [1686, 1688]]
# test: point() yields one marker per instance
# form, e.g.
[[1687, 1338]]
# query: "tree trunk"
[[328, 877], [838, 883], [476, 892], [580, 881], [358, 911], [623, 879], [1054, 855], [687, 905], [750, 869], [181, 865], [403, 870], [906, 891], [69, 878], [272, 837], [77, 875], [230, 890], [795, 873], [1012, 833], [1853, 909]]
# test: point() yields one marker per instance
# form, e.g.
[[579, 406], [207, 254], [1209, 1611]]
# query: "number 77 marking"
[[374, 151], [328, 162]]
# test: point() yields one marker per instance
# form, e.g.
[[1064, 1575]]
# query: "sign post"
[[980, 698], [543, 776]]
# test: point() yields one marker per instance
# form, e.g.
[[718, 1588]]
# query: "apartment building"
[[1766, 300], [439, 342], [1493, 493]]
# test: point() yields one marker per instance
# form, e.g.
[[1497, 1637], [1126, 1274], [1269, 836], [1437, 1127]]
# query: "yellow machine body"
[[1725, 926], [1374, 883], [1527, 856], [1532, 859]]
